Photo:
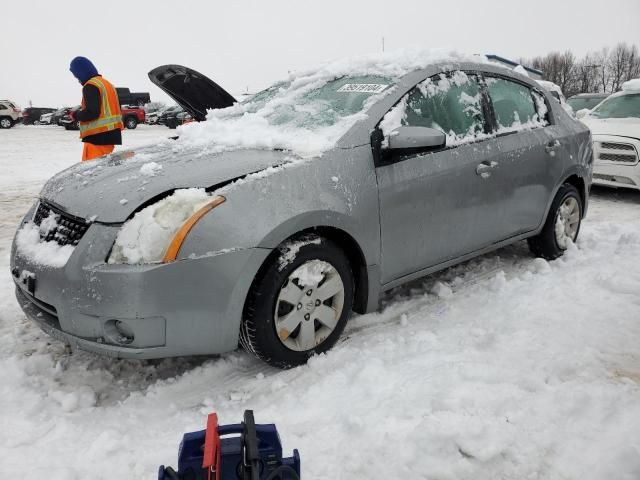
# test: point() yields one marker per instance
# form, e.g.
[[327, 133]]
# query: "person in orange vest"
[[100, 118]]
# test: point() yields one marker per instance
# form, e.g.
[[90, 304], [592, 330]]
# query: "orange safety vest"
[[110, 115]]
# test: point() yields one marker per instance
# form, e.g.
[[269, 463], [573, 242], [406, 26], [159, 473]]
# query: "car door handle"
[[484, 169], [551, 146]]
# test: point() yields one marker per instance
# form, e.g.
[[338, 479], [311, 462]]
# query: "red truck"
[[131, 117]]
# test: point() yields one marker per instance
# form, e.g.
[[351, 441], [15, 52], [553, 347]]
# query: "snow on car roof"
[[251, 124]]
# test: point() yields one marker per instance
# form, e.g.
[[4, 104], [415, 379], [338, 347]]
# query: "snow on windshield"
[[619, 106], [310, 111]]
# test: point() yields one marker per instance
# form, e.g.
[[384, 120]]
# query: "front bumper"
[[188, 307], [616, 174]]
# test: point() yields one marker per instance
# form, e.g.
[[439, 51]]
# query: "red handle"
[[211, 458]]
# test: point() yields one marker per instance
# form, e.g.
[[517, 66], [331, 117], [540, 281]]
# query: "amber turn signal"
[[178, 239]]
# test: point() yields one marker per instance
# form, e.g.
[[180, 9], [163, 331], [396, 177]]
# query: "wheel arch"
[[352, 250], [578, 182]]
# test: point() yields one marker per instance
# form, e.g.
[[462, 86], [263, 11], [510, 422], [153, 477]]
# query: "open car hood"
[[191, 90]]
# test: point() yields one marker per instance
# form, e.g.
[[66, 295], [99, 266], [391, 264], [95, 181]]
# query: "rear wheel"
[[562, 225], [299, 305], [6, 122], [131, 123]]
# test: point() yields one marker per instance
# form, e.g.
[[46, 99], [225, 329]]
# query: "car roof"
[[589, 95]]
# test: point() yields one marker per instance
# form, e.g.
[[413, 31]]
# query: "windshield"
[[307, 115], [584, 102], [288, 104], [623, 106]]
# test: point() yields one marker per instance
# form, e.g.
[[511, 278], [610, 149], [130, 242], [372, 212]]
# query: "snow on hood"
[[110, 189], [624, 127], [250, 124]]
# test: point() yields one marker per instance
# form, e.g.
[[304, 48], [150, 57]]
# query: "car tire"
[[6, 122], [308, 325], [131, 123], [562, 225]]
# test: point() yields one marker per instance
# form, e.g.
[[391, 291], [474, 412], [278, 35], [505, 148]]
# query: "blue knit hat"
[[83, 69]]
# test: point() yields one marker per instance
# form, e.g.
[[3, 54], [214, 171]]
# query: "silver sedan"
[[274, 219]]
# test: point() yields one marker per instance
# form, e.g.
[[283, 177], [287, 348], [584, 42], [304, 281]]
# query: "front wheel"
[[6, 122], [299, 305], [562, 225]]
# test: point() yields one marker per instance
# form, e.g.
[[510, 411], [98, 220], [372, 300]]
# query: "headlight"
[[156, 233]]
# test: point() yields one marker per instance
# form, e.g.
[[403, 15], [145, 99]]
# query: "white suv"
[[9, 114]]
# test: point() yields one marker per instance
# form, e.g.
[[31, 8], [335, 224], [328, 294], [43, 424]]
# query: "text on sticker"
[[362, 87]]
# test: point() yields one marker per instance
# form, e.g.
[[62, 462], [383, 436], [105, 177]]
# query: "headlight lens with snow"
[[156, 232]]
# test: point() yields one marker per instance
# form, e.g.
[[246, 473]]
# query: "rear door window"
[[515, 106]]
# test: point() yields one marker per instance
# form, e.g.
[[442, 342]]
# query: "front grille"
[[68, 229], [618, 157], [617, 152], [617, 146]]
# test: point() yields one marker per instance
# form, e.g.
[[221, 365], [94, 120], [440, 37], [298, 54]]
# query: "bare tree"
[[603, 71]]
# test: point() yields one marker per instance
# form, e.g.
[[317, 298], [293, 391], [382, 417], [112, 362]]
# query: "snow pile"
[[311, 273], [47, 253], [393, 119], [504, 367], [289, 251], [633, 84], [521, 70], [150, 169], [281, 120], [145, 237]]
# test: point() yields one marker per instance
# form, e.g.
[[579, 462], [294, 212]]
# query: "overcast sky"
[[244, 44]]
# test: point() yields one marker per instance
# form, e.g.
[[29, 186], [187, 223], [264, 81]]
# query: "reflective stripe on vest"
[[110, 115]]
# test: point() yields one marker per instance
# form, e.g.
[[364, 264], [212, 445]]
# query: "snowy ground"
[[505, 367]]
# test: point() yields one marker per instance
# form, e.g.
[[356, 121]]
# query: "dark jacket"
[[91, 111]]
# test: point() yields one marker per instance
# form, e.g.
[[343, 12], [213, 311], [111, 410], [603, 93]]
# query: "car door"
[[441, 204], [528, 152]]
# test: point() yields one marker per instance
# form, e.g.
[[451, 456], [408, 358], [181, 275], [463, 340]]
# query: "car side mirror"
[[411, 138], [582, 113]]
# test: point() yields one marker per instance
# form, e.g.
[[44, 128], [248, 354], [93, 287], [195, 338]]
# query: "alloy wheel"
[[567, 222]]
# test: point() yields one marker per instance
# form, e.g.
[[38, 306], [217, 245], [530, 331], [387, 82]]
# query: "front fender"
[[261, 212]]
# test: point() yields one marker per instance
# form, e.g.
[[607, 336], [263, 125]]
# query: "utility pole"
[[382, 44]]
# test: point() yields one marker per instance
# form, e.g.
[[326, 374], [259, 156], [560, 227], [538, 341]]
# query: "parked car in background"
[[31, 115], [46, 118], [585, 100], [126, 97], [273, 220], [9, 114], [151, 118], [56, 118], [178, 118], [67, 121], [615, 126], [132, 116], [153, 112], [167, 117]]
